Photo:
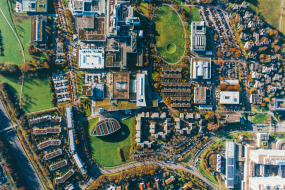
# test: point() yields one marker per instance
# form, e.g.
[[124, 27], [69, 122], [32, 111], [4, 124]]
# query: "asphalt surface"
[[19, 152]]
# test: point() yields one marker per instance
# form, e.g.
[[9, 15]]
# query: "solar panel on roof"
[[231, 183], [230, 161], [230, 172]]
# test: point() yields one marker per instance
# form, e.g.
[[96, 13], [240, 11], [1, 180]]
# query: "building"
[[262, 139], [35, 6], [88, 7], [45, 144], [121, 85], [230, 164], [87, 90], [169, 180], [44, 119], [46, 131], [38, 33], [105, 127], [53, 154], [79, 164], [255, 99], [90, 28], [58, 165], [69, 120], [219, 163], [200, 68], [200, 95], [198, 36], [141, 90], [229, 97], [264, 169], [91, 58], [280, 104], [65, 177]]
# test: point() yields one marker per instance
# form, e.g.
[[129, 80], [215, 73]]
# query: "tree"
[[236, 87], [167, 101], [249, 77], [46, 65], [223, 86]]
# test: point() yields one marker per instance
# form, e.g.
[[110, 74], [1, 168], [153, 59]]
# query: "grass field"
[[23, 27], [11, 49], [14, 82], [259, 118], [104, 150], [167, 32], [269, 9], [171, 48], [36, 94]]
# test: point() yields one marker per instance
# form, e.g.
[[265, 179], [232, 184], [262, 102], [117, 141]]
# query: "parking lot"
[[225, 40]]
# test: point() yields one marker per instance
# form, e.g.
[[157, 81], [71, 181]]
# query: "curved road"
[[19, 152], [191, 170]]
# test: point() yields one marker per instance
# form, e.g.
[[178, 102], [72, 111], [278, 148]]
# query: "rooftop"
[[200, 68], [91, 28], [200, 95], [34, 5], [91, 58], [121, 85], [229, 97]]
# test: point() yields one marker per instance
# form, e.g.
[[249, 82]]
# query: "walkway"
[[8, 128], [280, 24]]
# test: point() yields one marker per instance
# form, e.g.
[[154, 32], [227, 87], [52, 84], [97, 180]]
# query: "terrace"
[[48, 143], [46, 131], [91, 32]]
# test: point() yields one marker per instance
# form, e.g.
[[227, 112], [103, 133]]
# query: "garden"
[[110, 146], [169, 34]]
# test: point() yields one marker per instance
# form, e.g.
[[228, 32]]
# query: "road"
[[162, 164], [16, 146]]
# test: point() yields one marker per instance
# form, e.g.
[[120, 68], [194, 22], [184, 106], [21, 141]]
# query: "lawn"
[[192, 13], [11, 51], [259, 118], [269, 9], [166, 32], [36, 94], [104, 150], [23, 28], [14, 82]]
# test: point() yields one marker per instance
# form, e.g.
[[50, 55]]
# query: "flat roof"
[[229, 97], [121, 83], [94, 30], [200, 68], [141, 90], [91, 58], [34, 5], [87, 90], [198, 36], [200, 95]]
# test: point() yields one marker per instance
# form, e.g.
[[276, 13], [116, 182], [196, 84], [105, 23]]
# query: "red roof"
[[185, 187], [170, 180]]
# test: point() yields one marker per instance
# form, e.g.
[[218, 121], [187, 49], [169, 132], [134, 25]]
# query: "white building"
[[200, 68], [229, 97], [88, 7], [230, 164], [91, 58], [262, 139], [257, 174], [141, 90], [198, 36], [79, 163]]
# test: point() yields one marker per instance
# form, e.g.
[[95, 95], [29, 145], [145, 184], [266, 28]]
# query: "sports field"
[[168, 30], [104, 150], [36, 94]]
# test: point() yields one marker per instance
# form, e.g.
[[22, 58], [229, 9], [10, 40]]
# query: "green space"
[[192, 13], [36, 94], [175, 17], [23, 29], [107, 146], [168, 32], [11, 51], [259, 118], [268, 9], [154, 73], [14, 82], [171, 48]]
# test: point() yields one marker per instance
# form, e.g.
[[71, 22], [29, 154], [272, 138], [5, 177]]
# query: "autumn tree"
[[167, 101], [223, 86]]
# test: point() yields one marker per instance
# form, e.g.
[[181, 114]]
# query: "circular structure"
[[105, 127], [171, 48], [169, 34], [123, 133]]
